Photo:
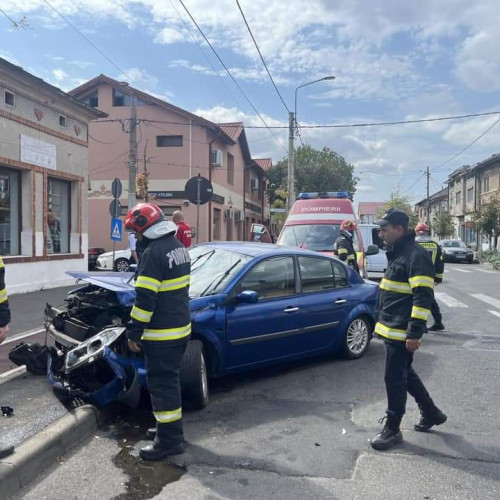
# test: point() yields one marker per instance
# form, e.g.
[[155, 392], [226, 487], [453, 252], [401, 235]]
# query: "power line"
[[261, 56], [466, 147], [231, 75], [87, 40]]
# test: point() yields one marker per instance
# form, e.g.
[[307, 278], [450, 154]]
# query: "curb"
[[40, 451]]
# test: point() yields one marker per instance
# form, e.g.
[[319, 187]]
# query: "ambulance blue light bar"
[[327, 194]]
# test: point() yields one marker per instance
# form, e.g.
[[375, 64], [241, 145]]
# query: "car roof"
[[259, 249]]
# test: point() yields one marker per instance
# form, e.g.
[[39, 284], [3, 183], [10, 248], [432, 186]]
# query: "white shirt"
[[132, 242]]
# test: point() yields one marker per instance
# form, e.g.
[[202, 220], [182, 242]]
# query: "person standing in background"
[[132, 245], [183, 230]]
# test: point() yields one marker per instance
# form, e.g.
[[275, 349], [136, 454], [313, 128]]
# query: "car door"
[[264, 330], [377, 263], [260, 233], [324, 301]]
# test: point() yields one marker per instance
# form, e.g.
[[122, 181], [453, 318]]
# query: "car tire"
[[122, 265], [194, 376], [357, 338]]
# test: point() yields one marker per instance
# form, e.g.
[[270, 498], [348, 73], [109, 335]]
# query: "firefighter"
[[344, 247], [405, 298], [423, 238], [161, 323], [4, 330]]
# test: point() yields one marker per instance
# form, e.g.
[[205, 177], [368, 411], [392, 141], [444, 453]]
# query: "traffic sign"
[[116, 229], [116, 188], [115, 208], [277, 210], [199, 190]]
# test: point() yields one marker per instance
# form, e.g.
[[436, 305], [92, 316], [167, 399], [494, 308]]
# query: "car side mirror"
[[372, 250], [247, 297]]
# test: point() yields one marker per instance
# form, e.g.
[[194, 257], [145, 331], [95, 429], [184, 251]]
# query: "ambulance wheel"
[[357, 338], [194, 376]]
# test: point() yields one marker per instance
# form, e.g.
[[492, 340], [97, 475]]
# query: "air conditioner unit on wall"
[[216, 158], [254, 184]]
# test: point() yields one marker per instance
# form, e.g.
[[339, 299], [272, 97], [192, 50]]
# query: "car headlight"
[[92, 349]]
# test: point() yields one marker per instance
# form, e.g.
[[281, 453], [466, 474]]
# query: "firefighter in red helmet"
[[422, 231], [344, 246], [161, 323]]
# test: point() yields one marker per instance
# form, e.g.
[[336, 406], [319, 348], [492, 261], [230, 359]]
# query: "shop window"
[[58, 216], [168, 141], [10, 98], [10, 212]]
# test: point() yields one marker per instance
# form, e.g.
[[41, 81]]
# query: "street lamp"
[[292, 122]]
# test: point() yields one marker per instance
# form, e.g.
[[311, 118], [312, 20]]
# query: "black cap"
[[395, 217]]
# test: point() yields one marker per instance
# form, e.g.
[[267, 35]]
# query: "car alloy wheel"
[[122, 265], [357, 338]]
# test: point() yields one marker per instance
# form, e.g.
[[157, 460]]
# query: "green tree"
[[488, 219], [443, 224], [401, 202], [315, 170]]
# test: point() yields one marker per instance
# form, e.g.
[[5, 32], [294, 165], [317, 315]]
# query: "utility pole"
[[132, 158], [428, 218], [291, 163]]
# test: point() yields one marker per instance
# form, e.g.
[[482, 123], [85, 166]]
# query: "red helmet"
[[143, 216], [348, 225], [421, 228]]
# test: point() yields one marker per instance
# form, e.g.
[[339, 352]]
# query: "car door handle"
[[340, 301], [290, 309]]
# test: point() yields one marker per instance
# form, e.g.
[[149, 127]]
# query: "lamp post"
[[292, 122]]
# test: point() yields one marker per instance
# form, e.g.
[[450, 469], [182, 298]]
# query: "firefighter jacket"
[[344, 250], [4, 300], [436, 254], [406, 292], [161, 309]]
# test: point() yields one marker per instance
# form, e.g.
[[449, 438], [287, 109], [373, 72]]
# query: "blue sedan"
[[252, 305]]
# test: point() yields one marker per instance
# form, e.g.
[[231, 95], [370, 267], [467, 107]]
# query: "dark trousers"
[[400, 379], [436, 312], [163, 361]]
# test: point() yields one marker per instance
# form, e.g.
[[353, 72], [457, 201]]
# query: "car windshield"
[[454, 244], [212, 269], [318, 237]]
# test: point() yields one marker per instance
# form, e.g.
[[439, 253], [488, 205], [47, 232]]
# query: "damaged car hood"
[[114, 281]]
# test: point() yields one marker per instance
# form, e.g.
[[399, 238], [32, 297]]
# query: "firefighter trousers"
[[163, 362], [436, 312], [400, 379]]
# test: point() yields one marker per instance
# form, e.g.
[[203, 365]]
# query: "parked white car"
[[375, 263], [123, 259]]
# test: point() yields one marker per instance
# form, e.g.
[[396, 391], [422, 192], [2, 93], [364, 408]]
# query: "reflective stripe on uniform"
[[148, 283], [438, 275], [141, 314], [3, 296], [1, 263], [420, 313], [342, 251], [174, 284], [164, 417], [167, 333], [390, 333], [395, 286], [421, 281], [351, 257]]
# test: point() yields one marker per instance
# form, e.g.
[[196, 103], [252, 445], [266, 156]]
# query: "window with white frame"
[[10, 210], [58, 216], [486, 184]]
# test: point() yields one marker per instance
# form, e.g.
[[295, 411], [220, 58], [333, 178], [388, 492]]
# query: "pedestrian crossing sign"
[[116, 229]]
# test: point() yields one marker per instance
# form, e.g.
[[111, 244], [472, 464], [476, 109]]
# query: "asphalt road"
[[301, 430]]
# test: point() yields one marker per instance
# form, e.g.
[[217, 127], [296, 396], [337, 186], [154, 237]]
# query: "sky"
[[392, 61]]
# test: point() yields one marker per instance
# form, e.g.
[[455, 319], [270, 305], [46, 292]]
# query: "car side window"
[[340, 274], [316, 275], [376, 238], [272, 278]]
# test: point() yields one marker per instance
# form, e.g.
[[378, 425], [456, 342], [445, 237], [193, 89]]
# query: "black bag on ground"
[[34, 356]]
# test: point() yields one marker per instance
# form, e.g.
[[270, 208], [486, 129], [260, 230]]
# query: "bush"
[[488, 255], [495, 262]]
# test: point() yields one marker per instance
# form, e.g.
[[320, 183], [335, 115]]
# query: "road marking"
[[449, 300], [495, 313], [446, 271], [14, 373], [489, 300], [485, 271], [461, 270], [23, 335]]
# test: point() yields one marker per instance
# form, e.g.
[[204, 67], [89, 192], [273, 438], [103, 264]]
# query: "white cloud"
[[59, 74]]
